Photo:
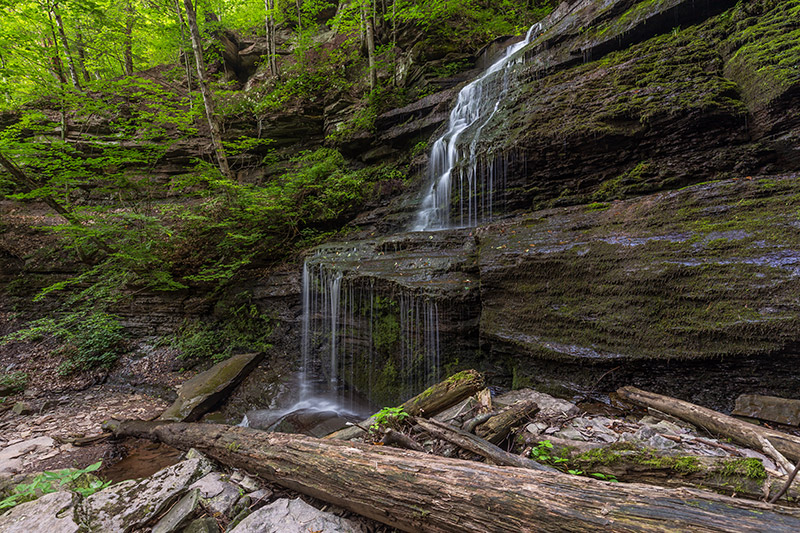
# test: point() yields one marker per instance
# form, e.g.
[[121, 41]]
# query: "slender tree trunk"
[[299, 16], [208, 101], [73, 72], [272, 46], [129, 21], [181, 24], [369, 31], [79, 45]]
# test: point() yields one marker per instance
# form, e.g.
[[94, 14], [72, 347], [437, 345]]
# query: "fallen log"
[[432, 401], [475, 444], [414, 492], [498, 427], [717, 423]]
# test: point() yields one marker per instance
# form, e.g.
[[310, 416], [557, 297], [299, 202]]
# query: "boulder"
[[131, 504], [11, 457], [294, 516], [309, 422], [217, 495], [179, 514], [202, 525], [771, 408], [549, 406], [52, 513], [198, 395]]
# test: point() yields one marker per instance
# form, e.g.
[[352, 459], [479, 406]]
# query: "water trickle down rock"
[[372, 311], [455, 154]]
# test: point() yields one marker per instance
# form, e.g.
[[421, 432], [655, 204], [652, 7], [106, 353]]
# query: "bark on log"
[[432, 401], [482, 447], [497, 428], [417, 492], [741, 432]]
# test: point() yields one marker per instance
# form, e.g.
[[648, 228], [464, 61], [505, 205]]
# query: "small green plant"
[[12, 383], [389, 417], [47, 482], [543, 453]]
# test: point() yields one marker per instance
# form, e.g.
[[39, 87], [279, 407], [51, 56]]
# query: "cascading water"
[[477, 177], [356, 337]]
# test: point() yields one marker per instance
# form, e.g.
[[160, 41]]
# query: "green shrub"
[[12, 383], [78, 480]]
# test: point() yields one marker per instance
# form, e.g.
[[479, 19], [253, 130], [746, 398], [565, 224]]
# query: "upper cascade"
[[451, 155]]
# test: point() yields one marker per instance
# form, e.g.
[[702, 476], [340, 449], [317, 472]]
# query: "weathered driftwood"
[[744, 433], [730, 476], [418, 492], [498, 427], [475, 444], [432, 401], [392, 437]]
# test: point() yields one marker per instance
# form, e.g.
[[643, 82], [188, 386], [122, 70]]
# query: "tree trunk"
[[181, 24], [73, 72], [498, 427], [272, 47], [474, 444], [79, 45], [208, 100], [432, 401], [414, 492], [744, 433], [369, 31], [129, 21]]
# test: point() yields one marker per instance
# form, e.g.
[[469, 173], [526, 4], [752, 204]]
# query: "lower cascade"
[[359, 342]]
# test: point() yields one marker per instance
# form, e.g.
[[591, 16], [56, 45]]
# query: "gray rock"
[[198, 395], [179, 514], [664, 426], [22, 408], [131, 504], [249, 484], [644, 433], [771, 408], [11, 457], [217, 495], [294, 516], [260, 497], [549, 407], [657, 442], [52, 513], [202, 525]]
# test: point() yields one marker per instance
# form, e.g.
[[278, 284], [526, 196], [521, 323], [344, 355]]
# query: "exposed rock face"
[[294, 516], [132, 504], [198, 395], [768, 408], [54, 512]]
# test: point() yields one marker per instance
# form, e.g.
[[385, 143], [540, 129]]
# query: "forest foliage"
[[96, 94]]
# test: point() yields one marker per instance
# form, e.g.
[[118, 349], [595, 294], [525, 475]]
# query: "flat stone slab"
[[52, 513], [125, 506], [294, 516], [11, 457], [198, 395], [771, 408], [179, 513], [218, 496]]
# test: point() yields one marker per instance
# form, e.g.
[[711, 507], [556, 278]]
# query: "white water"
[[451, 155], [340, 344]]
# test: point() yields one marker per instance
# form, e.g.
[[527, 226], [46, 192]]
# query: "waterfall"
[[477, 177], [355, 338]]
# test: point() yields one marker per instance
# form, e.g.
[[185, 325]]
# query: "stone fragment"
[[294, 516], [179, 514], [198, 395], [657, 442], [52, 513], [260, 497], [202, 525], [218, 496], [22, 409], [549, 406], [12, 457], [131, 504], [771, 408]]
